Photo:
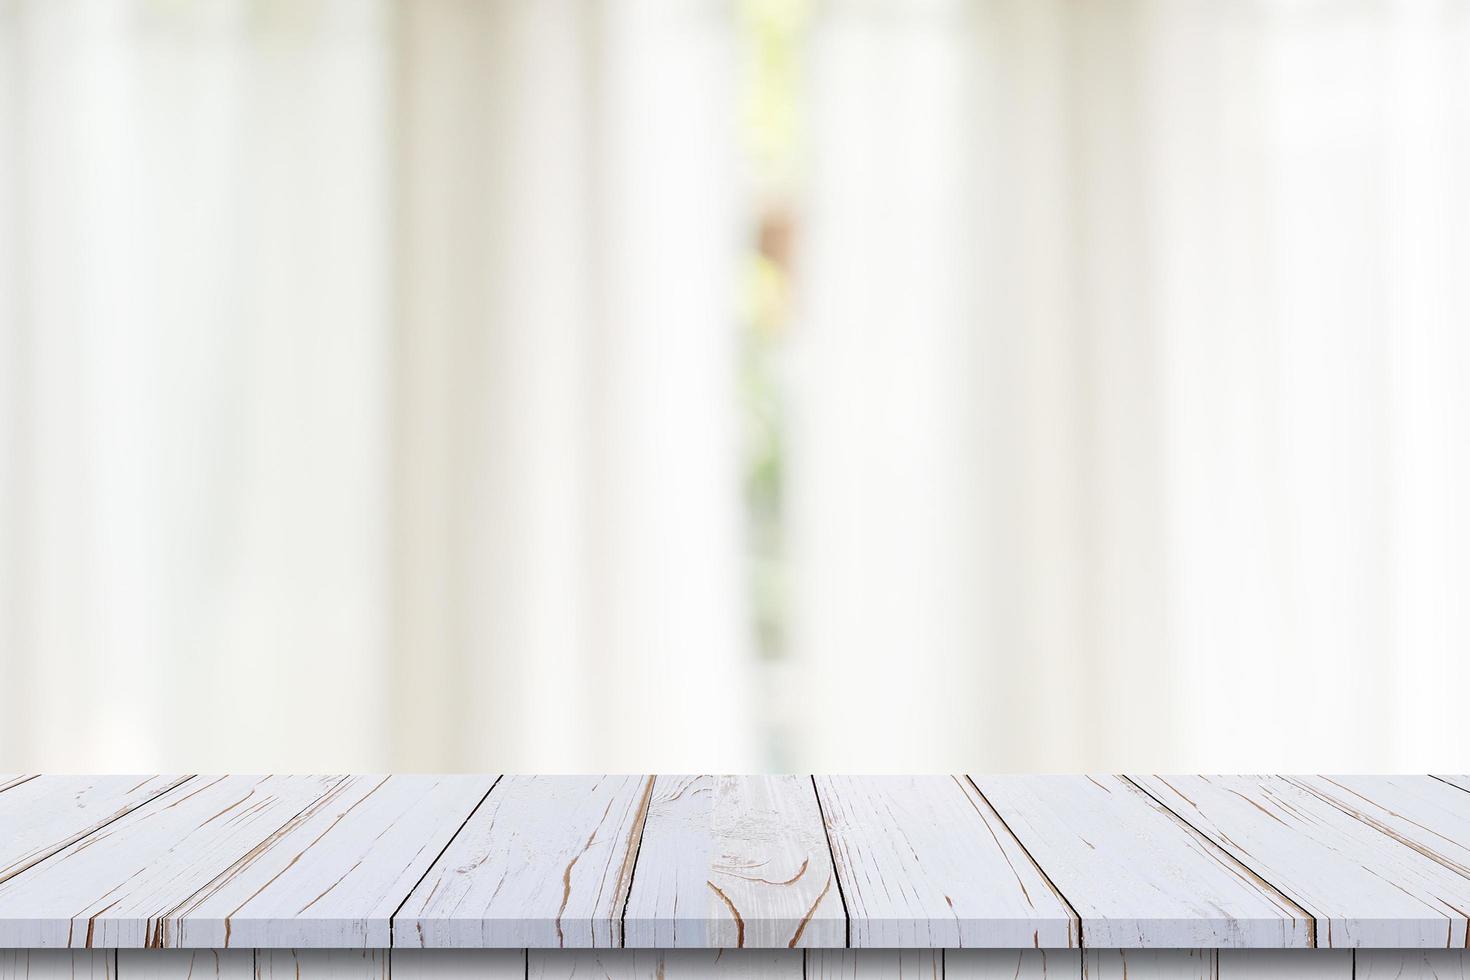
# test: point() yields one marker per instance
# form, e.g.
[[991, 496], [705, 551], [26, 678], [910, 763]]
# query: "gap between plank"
[[1030, 857], [338, 784], [642, 819], [88, 834], [393, 919], [1448, 783], [1361, 817], [832, 856], [21, 782], [1311, 918]]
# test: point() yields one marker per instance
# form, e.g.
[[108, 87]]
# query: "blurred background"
[[734, 384]]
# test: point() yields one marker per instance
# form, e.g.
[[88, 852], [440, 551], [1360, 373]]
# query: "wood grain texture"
[[186, 964], [321, 964], [57, 964], [1363, 887], [336, 873], [1285, 964], [875, 964], [459, 964], [1148, 964], [112, 888], [1137, 875], [546, 861], [680, 964], [925, 862], [1417, 964], [297, 862], [1419, 812], [40, 816], [731, 861], [1226, 964], [1012, 964], [406, 964]]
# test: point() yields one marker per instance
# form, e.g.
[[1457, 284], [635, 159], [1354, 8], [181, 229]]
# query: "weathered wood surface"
[[735, 964], [458, 964], [1364, 887], [1149, 964], [545, 862], [875, 964], [1137, 875], [785, 863], [321, 964], [1425, 815], [1285, 964], [1136, 964], [1463, 782], [115, 886], [1419, 964], [676, 964], [40, 816], [337, 872], [187, 964], [925, 862], [1012, 964], [57, 964], [732, 861]]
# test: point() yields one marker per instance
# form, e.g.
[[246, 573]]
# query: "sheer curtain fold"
[[195, 330], [568, 510], [366, 402], [1207, 321], [367, 386]]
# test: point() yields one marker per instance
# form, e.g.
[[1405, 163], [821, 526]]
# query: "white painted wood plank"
[[1148, 964], [1286, 964], [875, 964], [1136, 875], [12, 779], [333, 876], [1413, 964], [459, 964], [186, 964], [57, 964], [546, 861], [1420, 812], [730, 861], [651, 964], [1463, 782], [40, 816], [925, 862], [1012, 964], [321, 964], [1230, 964], [111, 888], [1363, 887]]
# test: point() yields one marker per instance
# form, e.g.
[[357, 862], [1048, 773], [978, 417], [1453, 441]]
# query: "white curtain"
[[365, 390], [195, 342], [1131, 422], [367, 387], [568, 533]]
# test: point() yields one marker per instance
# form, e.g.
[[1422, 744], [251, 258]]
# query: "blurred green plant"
[[772, 32]]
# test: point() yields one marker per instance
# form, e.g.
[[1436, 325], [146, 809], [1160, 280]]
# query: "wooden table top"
[[1259, 862]]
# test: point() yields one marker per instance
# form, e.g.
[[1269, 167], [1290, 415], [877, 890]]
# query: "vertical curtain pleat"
[[1207, 319], [567, 511], [200, 330], [367, 386]]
